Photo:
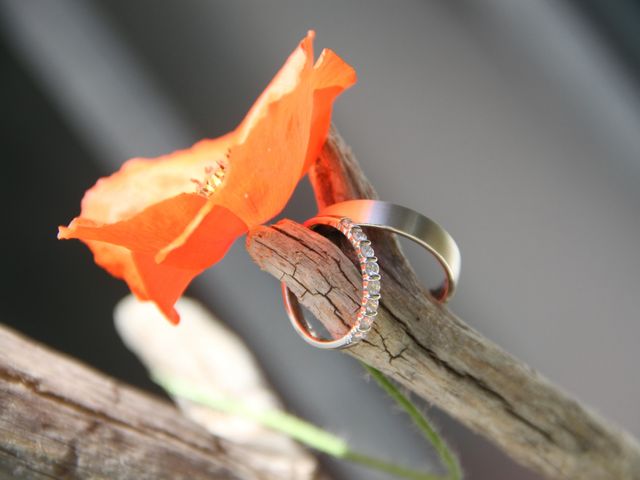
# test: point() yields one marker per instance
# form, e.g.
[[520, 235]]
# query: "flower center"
[[214, 175]]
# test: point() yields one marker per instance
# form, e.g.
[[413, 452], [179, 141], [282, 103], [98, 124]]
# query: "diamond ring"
[[370, 288], [348, 217]]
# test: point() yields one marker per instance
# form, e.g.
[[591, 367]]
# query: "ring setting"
[[370, 278], [371, 287]]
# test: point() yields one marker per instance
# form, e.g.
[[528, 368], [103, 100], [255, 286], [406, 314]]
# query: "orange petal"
[[283, 134], [205, 241], [151, 250], [142, 182], [185, 231], [163, 284], [332, 76]]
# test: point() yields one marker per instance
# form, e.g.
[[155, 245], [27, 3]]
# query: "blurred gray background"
[[515, 124]]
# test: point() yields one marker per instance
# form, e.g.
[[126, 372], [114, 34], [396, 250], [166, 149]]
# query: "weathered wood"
[[60, 419], [207, 355], [426, 348]]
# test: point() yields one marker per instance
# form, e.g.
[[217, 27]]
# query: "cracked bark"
[[60, 419], [429, 350]]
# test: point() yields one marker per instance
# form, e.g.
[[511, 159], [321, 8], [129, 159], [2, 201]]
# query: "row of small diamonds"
[[370, 278]]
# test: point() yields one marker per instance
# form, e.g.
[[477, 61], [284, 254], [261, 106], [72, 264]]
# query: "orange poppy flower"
[[152, 226]]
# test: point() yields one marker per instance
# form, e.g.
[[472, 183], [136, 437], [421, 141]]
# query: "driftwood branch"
[[60, 419], [426, 348]]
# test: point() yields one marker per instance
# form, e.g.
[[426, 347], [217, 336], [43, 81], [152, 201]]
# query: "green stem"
[[393, 469], [290, 425], [278, 420], [441, 447]]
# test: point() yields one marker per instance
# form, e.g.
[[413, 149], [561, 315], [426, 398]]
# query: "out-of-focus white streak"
[[98, 84]]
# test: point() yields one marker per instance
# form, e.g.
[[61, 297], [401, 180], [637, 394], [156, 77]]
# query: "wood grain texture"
[[426, 348], [60, 419]]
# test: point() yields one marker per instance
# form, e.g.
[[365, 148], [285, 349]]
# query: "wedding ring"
[[412, 225], [348, 217], [370, 288]]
